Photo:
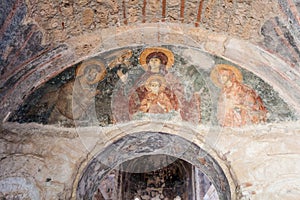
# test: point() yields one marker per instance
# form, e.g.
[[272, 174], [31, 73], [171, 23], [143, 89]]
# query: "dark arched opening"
[[140, 157]]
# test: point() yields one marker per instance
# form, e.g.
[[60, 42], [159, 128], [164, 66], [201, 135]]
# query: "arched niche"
[[270, 68], [188, 92], [151, 144], [156, 177]]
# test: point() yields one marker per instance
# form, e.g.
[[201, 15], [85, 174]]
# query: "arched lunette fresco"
[[251, 57], [150, 143], [183, 86]]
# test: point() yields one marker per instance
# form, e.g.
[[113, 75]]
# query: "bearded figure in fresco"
[[76, 98], [238, 104]]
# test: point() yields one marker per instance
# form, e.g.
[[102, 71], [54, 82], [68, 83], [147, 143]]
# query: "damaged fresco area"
[[168, 83]]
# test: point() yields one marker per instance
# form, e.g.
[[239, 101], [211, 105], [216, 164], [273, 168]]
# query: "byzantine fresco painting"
[[75, 101], [154, 83], [238, 104]]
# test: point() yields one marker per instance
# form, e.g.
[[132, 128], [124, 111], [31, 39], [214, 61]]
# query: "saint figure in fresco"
[[238, 104], [156, 60], [153, 60], [156, 100], [76, 98], [152, 95]]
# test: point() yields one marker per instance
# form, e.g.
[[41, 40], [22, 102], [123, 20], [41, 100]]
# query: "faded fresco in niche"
[[75, 101], [154, 83]]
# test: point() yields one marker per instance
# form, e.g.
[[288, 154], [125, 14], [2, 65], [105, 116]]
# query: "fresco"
[[238, 104], [75, 99], [154, 83]]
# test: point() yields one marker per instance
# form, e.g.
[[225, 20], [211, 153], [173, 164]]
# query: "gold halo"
[[156, 77], [214, 75], [150, 50], [84, 64]]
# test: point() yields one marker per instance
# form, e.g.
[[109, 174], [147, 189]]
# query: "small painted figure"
[[76, 98], [238, 104], [156, 100]]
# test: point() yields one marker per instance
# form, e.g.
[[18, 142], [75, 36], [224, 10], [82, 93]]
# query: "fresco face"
[[225, 77], [157, 83], [154, 87], [91, 74], [154, 64]]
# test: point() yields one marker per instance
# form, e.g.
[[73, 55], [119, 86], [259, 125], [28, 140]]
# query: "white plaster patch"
[[195, 57]]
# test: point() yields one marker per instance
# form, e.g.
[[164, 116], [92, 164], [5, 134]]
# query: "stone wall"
[[41, 39], [277, 73], [44, 162]]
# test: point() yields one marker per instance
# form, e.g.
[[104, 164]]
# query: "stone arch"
[[152, 143]]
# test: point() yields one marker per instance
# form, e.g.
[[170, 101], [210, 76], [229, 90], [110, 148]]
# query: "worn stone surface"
[[236, 18], [18, 187], [245, 155], [41, 169], [277, 36], [41, 39]]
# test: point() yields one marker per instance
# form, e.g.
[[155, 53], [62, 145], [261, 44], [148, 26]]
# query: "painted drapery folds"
[[75, 99], [238, 104], [154, 83]]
